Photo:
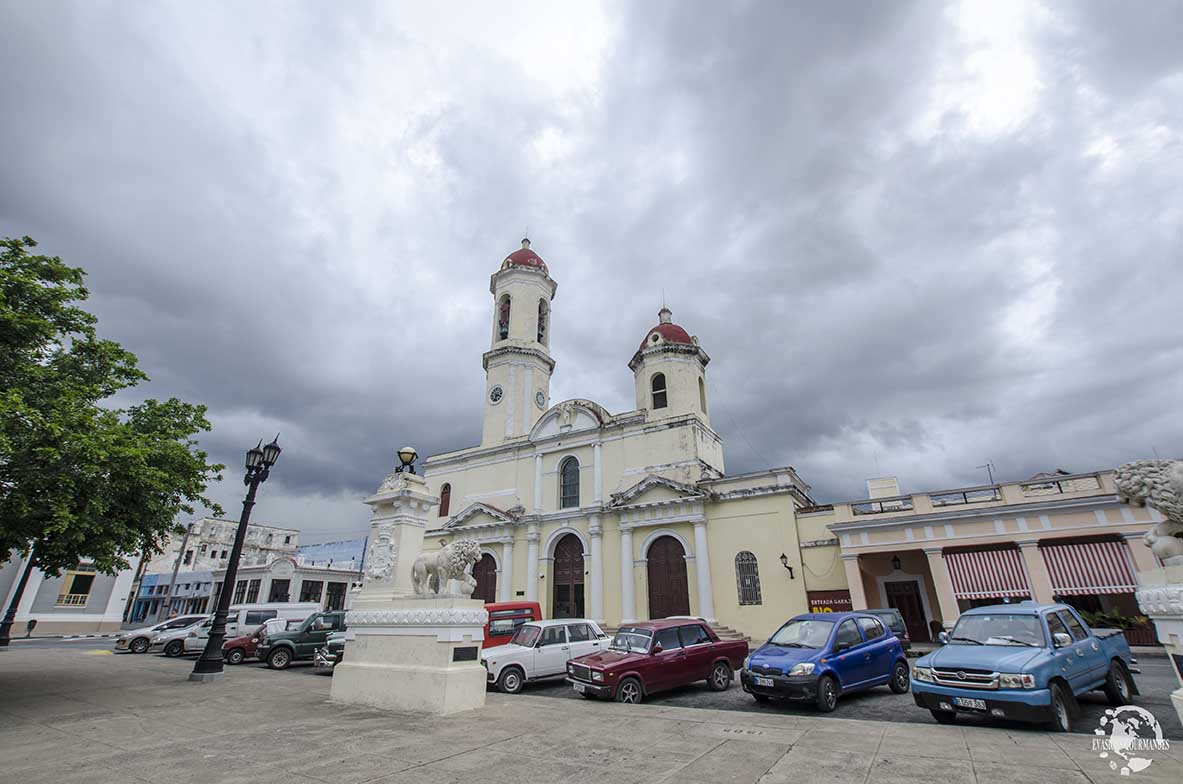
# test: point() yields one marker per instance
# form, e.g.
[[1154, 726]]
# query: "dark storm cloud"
[[912, 237]]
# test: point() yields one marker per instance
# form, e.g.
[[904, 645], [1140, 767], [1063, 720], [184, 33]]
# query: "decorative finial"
[[664, 315], [525, 242]]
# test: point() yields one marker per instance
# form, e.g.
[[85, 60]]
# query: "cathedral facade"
[[614, 516]]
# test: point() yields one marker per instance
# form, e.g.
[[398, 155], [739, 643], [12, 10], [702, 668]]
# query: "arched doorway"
[[484, 572], [567, 597], [669, 593]]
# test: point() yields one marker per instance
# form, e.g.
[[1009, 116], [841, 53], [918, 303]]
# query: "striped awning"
[[985, 574], [1095, 567]]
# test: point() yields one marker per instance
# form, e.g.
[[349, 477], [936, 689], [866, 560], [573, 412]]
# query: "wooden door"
[[904, 596], [669, 593], [567, 590], [484, 572]]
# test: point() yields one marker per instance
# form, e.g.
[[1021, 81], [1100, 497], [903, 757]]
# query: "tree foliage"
[[78, 477]]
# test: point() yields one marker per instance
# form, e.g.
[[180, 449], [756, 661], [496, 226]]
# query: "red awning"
[[987, 573], [1095, 567]]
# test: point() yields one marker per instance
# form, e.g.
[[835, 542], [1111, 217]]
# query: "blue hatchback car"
[[818, 656]]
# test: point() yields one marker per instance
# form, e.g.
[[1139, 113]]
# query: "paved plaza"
[[84, 715]]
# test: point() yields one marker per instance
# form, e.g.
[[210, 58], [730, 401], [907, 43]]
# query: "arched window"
[[542, 325], [569, 483], [445, 499], [503, 318], [657, 385], [747, 578], [702, 394]]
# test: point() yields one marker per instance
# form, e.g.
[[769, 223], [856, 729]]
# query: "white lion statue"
[[431, 571], [1157, 484]]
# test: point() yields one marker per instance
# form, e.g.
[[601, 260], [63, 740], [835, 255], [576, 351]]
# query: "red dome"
[[669, 331], [524, 257]]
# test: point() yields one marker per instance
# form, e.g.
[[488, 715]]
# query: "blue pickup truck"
[[1024, 662], [818, 656]]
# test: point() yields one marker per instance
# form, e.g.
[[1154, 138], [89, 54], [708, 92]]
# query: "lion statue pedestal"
[[1158, 484], [412, 644]]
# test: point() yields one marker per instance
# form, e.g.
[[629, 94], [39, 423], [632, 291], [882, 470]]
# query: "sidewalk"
[[69, 716]]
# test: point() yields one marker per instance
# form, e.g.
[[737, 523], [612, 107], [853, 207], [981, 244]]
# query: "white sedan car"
[[540, 649]]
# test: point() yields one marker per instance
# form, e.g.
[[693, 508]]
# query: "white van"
[[244, 618]]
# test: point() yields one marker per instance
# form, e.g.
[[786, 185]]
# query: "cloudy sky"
[[912, 237]]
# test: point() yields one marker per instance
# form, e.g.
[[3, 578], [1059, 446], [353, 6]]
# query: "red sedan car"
[[654, 656], [236, 650]]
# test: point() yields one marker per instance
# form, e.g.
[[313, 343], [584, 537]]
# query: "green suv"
[[282, 648]]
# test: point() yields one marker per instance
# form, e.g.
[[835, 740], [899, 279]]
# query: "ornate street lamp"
[[784, 561], [407, 456], [259, 460], [896, 563]]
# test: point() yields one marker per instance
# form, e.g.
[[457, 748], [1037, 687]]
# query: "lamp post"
[[406, 456], [258, 467]]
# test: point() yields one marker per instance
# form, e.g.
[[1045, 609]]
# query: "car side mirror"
[[1061, 640], [943, 638], [657, 649]]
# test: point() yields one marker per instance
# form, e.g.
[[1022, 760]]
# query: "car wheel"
[[629, 691], [279, 659], [235, 656], [139, 645], [1061, 710], [944, 717], [827, 694], [899, 678], [174, 649], [1117, 685], [511, 681], [720, 679]]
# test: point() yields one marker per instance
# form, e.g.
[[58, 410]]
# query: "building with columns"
[[1056, 536], [613, 516], [631, 515]]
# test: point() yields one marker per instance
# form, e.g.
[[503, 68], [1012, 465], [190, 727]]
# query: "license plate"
[[969, 702], [763, 681], [579, 687]]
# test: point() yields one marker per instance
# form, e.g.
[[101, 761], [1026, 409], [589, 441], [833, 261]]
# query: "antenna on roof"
[[663, 297], [989, 470]]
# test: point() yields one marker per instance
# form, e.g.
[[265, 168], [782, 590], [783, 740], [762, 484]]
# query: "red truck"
[[653, 656]]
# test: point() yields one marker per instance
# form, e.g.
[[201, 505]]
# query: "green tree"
[[79, 477]]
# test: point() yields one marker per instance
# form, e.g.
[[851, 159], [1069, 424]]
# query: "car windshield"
[[998, 629], [889, 618], [803, 633], [525, 635], [632, 639]]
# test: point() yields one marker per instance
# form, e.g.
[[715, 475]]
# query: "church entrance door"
[[669, 593], [567, 600], [484, 572]]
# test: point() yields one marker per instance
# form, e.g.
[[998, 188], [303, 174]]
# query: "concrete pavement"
[[69, 715]]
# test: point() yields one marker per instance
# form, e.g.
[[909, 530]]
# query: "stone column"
[[942, 585], [1041, 581], [597, 568], [506, 587], [408, 652], [628, 603], [702, 567], [599, 474], [532, 537], [538, 484], [854, 579]]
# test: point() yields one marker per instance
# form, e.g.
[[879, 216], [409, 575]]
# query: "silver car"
[[138, 640], [171, 642]]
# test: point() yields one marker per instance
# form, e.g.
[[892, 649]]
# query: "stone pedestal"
[[406, 652], [1160, 597], [419, 655]]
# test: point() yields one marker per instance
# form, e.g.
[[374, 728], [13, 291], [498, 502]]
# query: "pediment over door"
[[656, 490], [479, 515]]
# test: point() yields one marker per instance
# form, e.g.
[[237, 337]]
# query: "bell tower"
[[518, 364]]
